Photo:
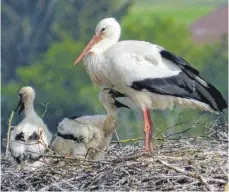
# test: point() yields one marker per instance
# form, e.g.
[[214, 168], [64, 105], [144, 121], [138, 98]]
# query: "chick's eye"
[[103, 29]]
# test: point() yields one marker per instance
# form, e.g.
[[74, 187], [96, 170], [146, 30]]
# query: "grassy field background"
[[183, 11]]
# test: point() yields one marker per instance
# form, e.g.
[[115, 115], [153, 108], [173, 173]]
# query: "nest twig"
[[182, 164], [9, 131], [179, 165]]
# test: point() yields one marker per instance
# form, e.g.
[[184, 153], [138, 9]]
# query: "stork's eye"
[[103, 29]]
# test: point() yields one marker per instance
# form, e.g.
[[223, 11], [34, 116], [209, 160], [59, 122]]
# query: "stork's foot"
[[151, 146], [150, 140]]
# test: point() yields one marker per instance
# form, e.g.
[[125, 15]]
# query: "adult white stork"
[[150, 76]]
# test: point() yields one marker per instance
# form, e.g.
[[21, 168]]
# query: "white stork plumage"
[[30, 138], [87, 136], [149, 75]]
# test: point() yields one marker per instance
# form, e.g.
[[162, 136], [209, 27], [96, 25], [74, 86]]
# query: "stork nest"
[[185, 164]]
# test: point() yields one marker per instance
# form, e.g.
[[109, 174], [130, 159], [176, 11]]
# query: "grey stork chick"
[[87, 136], [30, 138]]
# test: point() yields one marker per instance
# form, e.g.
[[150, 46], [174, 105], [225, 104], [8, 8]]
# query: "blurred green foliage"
[[30, 27], [70, 91]]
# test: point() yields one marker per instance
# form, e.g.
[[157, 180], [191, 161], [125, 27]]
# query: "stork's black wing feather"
[[185, 86], [184, 65]]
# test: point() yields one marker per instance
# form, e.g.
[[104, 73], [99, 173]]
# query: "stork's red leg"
[[147, 130]]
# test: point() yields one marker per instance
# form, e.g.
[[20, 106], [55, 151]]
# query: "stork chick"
[[31, 137], [88, 136]]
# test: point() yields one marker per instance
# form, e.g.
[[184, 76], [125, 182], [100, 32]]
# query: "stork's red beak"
[[95, 39]]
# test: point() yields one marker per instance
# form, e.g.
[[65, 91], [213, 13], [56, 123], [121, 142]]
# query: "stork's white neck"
[[111, 111], [29, 110], [104, 44], [112, 115], [111, 121]]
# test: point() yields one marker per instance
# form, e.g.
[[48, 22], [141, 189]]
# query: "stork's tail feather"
[[211, 96]]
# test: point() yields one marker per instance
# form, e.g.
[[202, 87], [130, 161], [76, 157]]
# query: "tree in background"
[[29, 27], [26, 32]]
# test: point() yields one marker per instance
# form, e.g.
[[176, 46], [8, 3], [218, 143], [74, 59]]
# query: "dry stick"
[[127, 140], [8, 134], [21, 179], [130, 175], [224, 172], [178, 133], [46, 106], [121, 159], [96, 178], [165, 138], [203, 180], [177, 124], [118, 138], [194, 175], [130, 157], [217, 181], [140, 139], [41, 141], [79, 160]]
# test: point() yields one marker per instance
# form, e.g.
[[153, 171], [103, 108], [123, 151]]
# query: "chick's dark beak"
[[115, 93], [119, 105], [20, 105]]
